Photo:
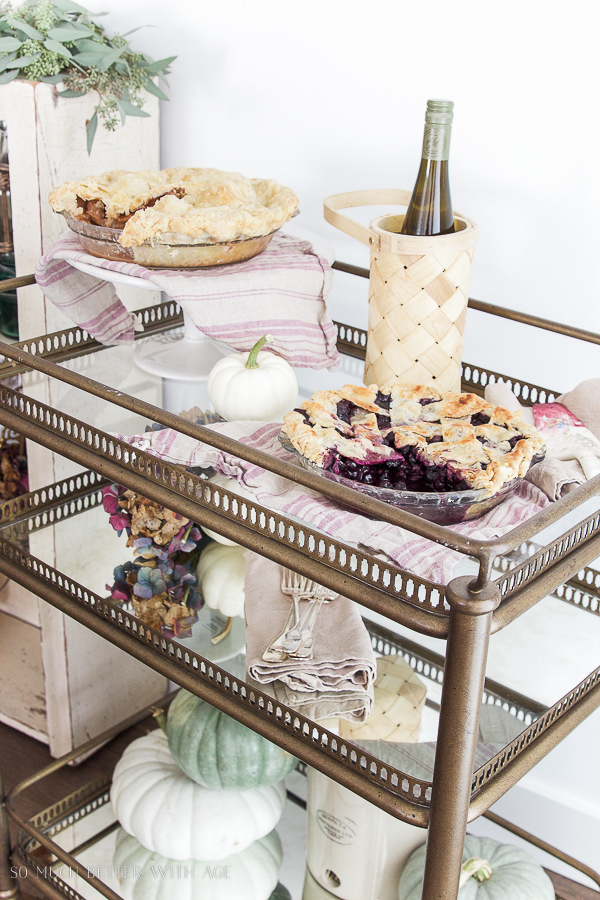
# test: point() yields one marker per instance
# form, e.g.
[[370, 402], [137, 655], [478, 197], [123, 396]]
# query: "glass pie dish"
[[173, 251], [443, 508]]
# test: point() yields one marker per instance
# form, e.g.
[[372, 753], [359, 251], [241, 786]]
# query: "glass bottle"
[[430, 207]]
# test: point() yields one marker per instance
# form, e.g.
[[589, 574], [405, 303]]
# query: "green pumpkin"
[[218, 752], [512, 873], [280, 893]]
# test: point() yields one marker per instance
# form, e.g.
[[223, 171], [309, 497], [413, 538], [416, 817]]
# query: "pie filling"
[[94, 212], [408, 471], [411, 438]]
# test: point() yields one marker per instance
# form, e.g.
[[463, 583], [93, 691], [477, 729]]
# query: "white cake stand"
[[184, 359]]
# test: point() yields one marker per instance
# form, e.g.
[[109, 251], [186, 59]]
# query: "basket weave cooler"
[[418, 293], [399, 701]]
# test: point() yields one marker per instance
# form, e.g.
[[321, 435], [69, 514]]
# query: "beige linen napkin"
[[343, 658], [556, 477], [584, 402], [320, 706]]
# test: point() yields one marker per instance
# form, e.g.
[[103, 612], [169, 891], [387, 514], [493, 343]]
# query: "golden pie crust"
[[485, 446], [201, 204]]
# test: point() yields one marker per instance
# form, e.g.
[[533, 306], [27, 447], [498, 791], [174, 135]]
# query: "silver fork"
[[304, 650], [298, 587]]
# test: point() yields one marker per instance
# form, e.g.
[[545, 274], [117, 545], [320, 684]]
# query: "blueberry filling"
[[425, 401], [409, 471], [514, 440], [479, 418], [383, 400], [304, 415], [383, 422], [345, 410]]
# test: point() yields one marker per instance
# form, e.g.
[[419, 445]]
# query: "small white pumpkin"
[[490, 871], [221, 574], [234, 487], [170, 814], [253, 386], [249, 875]]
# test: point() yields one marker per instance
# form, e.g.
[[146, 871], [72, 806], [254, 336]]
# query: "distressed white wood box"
[[59, 682]]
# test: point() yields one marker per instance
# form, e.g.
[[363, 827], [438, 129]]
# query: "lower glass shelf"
[[85, 827], [69, 850]]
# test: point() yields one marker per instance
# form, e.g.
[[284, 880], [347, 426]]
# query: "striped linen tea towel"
[[282, 291], [416, 554]]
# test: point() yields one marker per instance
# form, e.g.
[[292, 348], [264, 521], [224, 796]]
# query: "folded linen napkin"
[[282, 292], [419, 555], [584, 402], [573, 447], [326, 707], [343, 658]]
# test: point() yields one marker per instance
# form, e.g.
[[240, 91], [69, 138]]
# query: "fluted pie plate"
[[441, 507], [171, 252]]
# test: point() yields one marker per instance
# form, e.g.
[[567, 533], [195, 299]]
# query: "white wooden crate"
[[83, 685]]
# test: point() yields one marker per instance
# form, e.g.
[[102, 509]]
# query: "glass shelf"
[[401, 772], [76, 837], [80, 426]]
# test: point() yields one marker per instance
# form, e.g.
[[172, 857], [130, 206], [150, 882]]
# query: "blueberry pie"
[[411, 437], [201, 204]]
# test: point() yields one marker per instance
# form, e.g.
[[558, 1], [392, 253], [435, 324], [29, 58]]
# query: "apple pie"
[[172, 205]]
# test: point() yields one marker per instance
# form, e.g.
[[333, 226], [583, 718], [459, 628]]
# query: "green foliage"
[[57, 41]]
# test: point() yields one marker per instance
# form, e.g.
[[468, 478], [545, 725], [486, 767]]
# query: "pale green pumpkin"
[[218, 752], [510, 873]]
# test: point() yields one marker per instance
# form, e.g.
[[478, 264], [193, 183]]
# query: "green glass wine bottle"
[[430, 207]]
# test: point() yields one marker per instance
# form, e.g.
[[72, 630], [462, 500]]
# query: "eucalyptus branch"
[[57, 41]]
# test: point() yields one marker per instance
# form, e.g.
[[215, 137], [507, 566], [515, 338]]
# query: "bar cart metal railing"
[[465, 612]]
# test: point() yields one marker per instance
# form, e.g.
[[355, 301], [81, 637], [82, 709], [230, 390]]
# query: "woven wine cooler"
[[418, 293]]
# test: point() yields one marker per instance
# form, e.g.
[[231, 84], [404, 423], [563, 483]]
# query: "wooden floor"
[[21, 756]]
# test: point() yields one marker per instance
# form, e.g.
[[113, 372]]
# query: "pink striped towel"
[[419, 555], [282, 292]]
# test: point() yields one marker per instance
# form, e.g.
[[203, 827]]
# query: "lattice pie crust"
[[410, 437]]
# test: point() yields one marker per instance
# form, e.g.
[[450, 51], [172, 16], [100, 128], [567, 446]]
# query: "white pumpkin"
[[221, 574], [172, 815], [249, 875], [235, 488], [253, 386]]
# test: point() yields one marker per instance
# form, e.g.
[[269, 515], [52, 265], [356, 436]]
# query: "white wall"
[[329, 96]]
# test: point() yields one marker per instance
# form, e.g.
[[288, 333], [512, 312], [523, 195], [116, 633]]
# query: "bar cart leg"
[[9, 887], [464, 673]]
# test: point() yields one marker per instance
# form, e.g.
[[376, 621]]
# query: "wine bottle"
[[430, 207]]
